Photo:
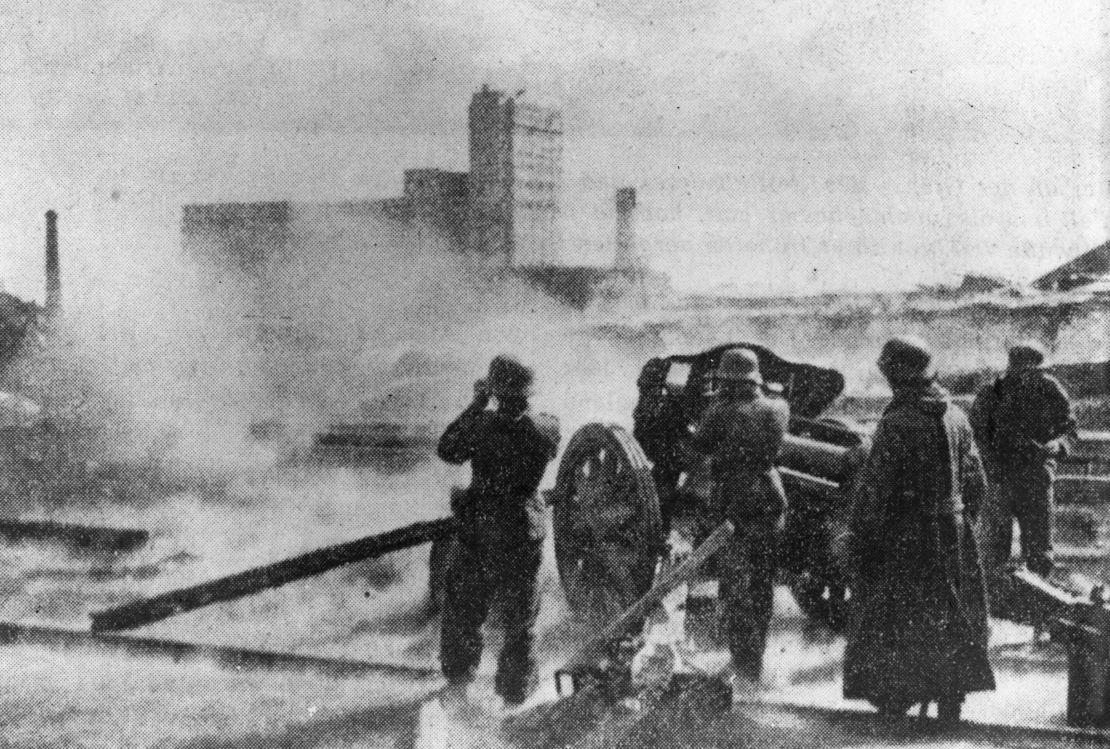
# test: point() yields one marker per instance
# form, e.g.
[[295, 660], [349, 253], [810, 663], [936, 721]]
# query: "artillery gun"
[[606, 505], [607, 515]]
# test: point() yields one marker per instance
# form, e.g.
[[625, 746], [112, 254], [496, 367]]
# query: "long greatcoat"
[[918, 626]]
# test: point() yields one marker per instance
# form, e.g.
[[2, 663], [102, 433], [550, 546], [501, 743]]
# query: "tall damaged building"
[[516, 157], [504, 212]]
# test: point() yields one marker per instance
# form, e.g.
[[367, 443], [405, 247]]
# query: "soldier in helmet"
[[742, 431], [1021, 418], [659, 425], [500, 528], [918, 623]]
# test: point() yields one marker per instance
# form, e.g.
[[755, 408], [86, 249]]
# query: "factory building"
[[505, 210], [435, 200], [504, 214], [516, 156], [233, 238]]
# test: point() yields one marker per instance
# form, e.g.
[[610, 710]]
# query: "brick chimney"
[[53, 271], [626, 230]]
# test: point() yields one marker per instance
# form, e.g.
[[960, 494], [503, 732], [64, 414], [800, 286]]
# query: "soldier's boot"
[[949, 709], [455, 701]]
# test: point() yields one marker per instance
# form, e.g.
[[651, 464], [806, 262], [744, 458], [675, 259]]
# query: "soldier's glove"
[[482, 394]]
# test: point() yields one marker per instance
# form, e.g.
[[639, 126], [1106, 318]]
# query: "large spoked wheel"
[[606, 520]]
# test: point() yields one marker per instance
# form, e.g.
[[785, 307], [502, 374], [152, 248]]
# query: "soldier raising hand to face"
[[500, 527]]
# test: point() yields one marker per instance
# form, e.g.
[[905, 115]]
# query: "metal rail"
[[43, 635]]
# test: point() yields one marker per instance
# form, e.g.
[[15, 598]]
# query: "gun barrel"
[[798, 479], [810, 456]]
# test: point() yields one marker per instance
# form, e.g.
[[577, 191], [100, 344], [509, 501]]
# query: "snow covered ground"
[[371, 611]]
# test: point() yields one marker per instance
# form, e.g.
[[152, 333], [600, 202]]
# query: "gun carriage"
[[608, 530]]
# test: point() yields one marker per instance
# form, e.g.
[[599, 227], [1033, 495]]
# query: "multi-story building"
[[236, 238], [249, 239], [436, 199], [516, 153], [504, 213]]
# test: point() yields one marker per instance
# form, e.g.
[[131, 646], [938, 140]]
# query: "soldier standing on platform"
[[500, 529], [742, 430], [1021, 418]]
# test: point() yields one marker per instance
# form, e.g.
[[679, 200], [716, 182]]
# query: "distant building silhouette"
[[504, 214], [516, 154]]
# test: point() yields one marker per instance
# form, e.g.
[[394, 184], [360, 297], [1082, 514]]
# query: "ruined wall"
[[235, 238], [438, 198]]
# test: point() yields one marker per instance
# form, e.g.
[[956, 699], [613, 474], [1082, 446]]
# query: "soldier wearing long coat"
[[918, 626]]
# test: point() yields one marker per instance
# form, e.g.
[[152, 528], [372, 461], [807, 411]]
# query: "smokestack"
[[53, 272], [626, 230]]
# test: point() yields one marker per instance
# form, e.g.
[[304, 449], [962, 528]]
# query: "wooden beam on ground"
[[81, 537], [61, 638], [148, 610]]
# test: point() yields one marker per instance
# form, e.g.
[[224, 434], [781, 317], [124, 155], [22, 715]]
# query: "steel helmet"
[[906, 359], [739, 365], [1027, 354], [508, 377], [654, 373]]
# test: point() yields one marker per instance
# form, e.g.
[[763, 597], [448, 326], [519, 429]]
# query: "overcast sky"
[[797, 145]]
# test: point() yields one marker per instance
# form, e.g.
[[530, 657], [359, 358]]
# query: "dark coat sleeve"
[[875, 491], [972, 475], [548, 427], [710, 430], [774, 430], [456, 445], [1058, 410], [982, 419]]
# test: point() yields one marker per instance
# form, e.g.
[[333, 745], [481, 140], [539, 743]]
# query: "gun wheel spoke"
[[606, 521]]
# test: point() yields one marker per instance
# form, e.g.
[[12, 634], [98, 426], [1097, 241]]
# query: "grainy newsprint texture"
[[554, 373]]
